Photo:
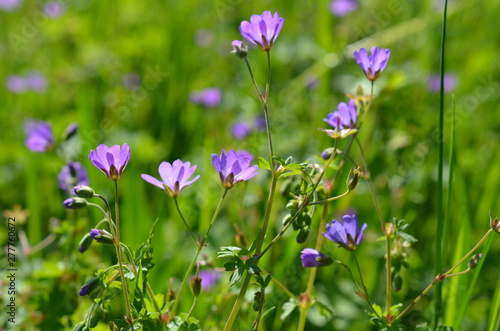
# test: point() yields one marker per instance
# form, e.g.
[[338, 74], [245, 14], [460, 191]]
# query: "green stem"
[[364, 289], [199, 245], [439, 213], [119, 255], [185, 223]]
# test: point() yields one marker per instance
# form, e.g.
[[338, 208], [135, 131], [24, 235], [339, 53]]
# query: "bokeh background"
[[125, 72]]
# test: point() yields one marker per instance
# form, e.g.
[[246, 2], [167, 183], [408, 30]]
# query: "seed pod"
[[303, 234]]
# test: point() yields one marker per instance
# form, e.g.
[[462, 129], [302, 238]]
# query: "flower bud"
[[474, 260], [75, 203], [85, 243], [239, 49], [327, 153], [70, 131], [196, 285], [495, 224], [89, 286], [84, 191], [353, 178], [102, 236]]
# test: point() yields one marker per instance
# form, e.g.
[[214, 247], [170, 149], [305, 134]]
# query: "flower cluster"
[[33, 81]]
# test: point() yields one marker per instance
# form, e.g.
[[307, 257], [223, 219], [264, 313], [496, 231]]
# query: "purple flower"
[[347, 234], [16, 84], [36, 82], [343, 7], [260, 123], [313, 258], [234, 167], [9, 5], [39, 137], [372, 64], [174, 177], [131, 80], [345, 117], [71, 175], [111, 160], [209, 97], [53, 9], [241, 130], [434, 82], [262, 30], [209, 278]]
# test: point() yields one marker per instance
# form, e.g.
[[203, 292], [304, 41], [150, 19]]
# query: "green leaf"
[[288, 307], [236, 276], [407, 237], [267, 312], [230, 266], [263, 164], [324, 310]]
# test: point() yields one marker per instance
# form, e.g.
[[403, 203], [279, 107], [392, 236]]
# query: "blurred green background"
[[124, 71]]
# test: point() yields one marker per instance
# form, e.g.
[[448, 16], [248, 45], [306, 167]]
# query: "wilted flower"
[[39, 136], [262, 30], [347, 234], [434, 82], [372, 64], [53, 9], [174, 177], [209, 97], [101, 236], [343, 7], [36, 82], [233, 167], [239, 48], [313, 258], [111, 160], [9, 5], [345, 117], [16, 84], [241, 130], [71, 175]]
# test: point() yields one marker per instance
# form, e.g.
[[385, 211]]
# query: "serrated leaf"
[[407, 237], [236, 276], [230, 266], [253, 268], [263, 164], [324, 310], [288, 307]]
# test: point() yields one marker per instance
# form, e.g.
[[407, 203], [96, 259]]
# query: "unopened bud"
[[353, 178], [495, 224], [196, 285], [70, 131], [85, 243], [75, 203], [84, 191], [474, 260], [89, 286]]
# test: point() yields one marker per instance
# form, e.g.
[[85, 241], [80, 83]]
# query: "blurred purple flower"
[[233, 167], [312, 83], [174, 177], [241, 130], [260, 123], [209, 278], [10, 5], [372, 64], [203, 38], [53, 9], [343, 7], [111, 160], [209, 97], [36, 82], [313, 258], [71, 175], [131, 80], [262, 30], [39, 137], [434, 82], [347, 234], [345, 117], [17, 84]]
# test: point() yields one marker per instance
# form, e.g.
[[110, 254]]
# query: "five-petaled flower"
[[313, 258], [39, 136], [111, 160], [344, 117], [372, 64], [233, 167], [262, 30], [347, 233], [174, 177]]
